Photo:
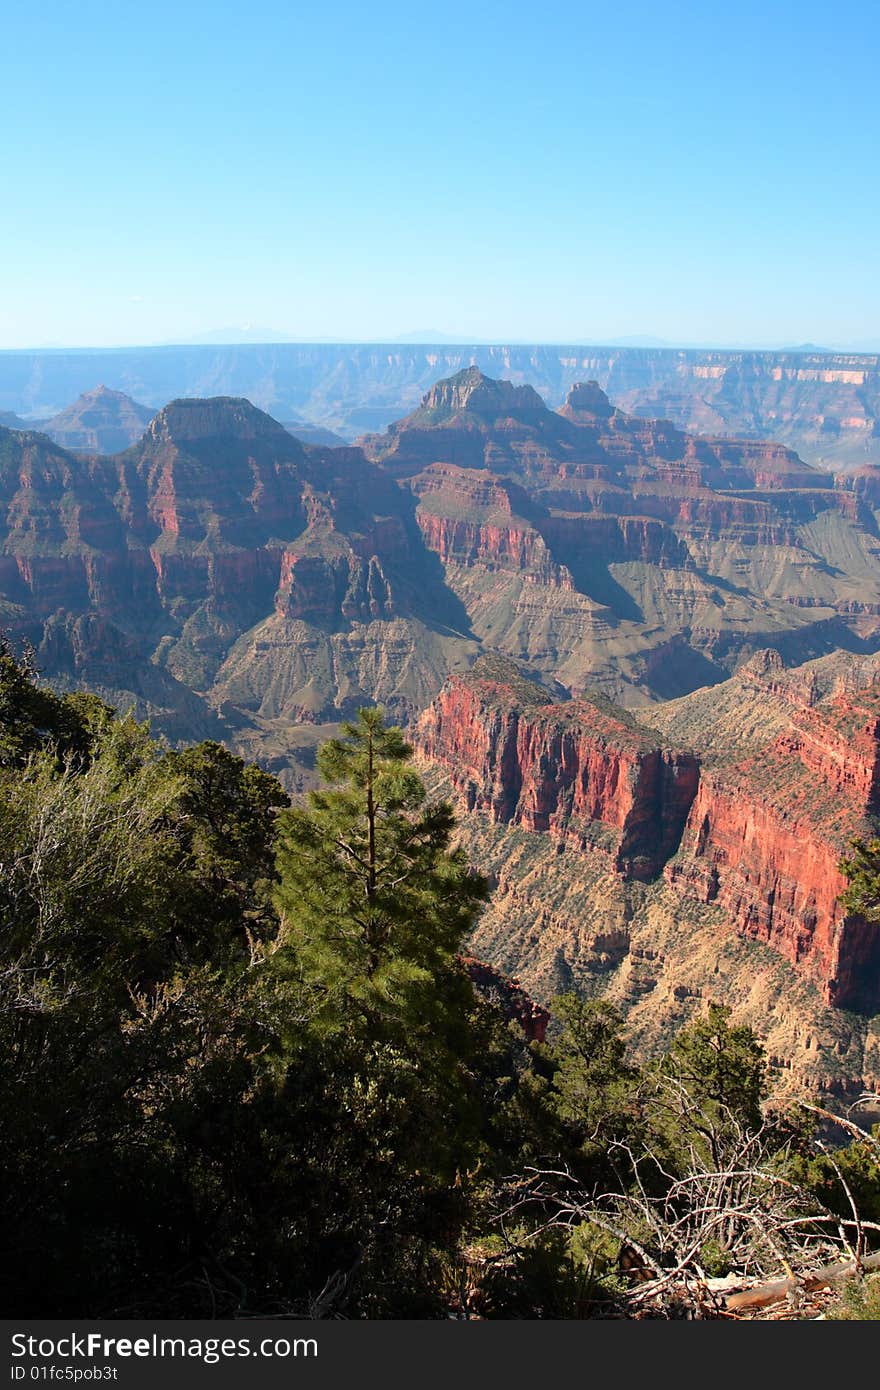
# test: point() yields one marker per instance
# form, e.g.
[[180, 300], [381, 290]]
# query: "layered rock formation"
[[765, 845], [620, 553], [863, 484], [564, 768], [741, 831], [282, 583], [772, 819], [229, 582], [219, 559]]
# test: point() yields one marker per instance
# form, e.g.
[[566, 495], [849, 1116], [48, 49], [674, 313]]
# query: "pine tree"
[[375, 901], [375, 904]]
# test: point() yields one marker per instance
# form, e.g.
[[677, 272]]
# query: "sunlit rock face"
[[759, 836]]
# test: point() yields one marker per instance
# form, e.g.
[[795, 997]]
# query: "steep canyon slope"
[[661, 866], [624, 555]]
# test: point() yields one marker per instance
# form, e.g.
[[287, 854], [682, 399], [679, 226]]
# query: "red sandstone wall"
[[761, 840], [556, 768]]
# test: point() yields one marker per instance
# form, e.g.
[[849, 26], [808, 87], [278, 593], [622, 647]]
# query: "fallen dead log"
[[763, 1294]]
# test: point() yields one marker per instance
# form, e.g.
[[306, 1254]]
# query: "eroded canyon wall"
[[760, 837]]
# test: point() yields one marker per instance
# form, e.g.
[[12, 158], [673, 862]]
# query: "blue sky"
[[698, 172]]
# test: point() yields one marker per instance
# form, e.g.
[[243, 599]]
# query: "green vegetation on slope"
[[246, 1071]]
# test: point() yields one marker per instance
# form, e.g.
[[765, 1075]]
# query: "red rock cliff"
[[765, 836], [575, 770], [761, 838]]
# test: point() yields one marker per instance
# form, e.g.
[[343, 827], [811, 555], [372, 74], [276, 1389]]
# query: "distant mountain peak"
[[100, 421], [104, 395], [102, 392], [472, 392]]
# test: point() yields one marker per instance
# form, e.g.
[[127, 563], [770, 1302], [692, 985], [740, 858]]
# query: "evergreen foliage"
[[862, 870], [232, 1084], [376, 904]]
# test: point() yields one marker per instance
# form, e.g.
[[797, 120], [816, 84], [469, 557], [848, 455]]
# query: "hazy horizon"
[[218, 339]]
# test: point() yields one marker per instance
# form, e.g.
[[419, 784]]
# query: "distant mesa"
[[205, 418], [101, 421]]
